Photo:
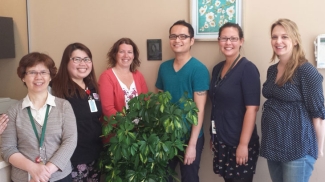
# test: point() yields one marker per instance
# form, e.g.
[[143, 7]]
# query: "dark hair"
[[234, 25], [62, 84], [111, 55], [33, 59], [184, 23]]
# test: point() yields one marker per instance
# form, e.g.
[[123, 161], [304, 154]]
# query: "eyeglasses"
[[35, 73], [180, 36], [225, 39], [79, 59]]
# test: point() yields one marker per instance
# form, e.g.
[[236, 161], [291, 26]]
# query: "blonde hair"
[[298, 54]]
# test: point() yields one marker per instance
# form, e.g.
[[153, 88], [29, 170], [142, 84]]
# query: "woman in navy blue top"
[[292, 126], [235, 96]]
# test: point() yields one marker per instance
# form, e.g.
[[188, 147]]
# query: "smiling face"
[[124, 56], [228, 48], [37, 83], [281, 43], [178, 45], [79, 71]]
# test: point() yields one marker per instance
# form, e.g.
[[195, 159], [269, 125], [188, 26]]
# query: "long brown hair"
[[298, 54], [62, 84], [111, 55]]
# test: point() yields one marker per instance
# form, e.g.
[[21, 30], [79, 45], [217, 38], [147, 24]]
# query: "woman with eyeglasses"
[[41, 134], [121, 81], [76, 82], [293, 126], [235, 96]]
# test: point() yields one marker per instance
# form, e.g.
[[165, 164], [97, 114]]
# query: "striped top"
[[60, 138]]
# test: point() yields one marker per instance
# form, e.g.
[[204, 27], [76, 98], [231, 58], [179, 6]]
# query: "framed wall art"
[[154, 49], [207, 16]]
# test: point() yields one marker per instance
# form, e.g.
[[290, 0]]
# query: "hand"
[[190, 155], [39, 173], [242, 154], [52, 168], [3, 122], [320, 153]]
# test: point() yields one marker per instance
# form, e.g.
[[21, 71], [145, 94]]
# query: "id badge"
[[213, 127], [92, 105]]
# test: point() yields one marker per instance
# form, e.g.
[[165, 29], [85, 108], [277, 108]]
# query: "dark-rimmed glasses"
[[225, 39], [79, 59], [35, 73], [180, 36]]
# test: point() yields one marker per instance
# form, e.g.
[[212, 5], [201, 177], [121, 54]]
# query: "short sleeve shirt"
[[239, 88], [192, 77]]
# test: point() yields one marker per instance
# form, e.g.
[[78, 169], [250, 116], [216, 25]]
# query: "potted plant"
[[146, 136]]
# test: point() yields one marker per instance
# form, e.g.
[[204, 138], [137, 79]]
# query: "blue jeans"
[[189, 173], [293, 171]]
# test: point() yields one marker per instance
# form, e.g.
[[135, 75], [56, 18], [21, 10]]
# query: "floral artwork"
[[210, 15]]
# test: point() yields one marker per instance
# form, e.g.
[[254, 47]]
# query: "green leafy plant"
[[146, 136]]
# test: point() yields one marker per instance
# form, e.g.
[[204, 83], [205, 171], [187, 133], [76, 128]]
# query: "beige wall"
[[11, 86], [98, 24]]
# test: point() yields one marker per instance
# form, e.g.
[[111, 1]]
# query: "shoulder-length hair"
[[298, 55], [111, 55], [62, 84]]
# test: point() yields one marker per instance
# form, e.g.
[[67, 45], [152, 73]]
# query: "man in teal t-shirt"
[[182, 74]]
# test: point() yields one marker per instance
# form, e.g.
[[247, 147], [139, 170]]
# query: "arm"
[[38, 172], [3, 122], [251, 87], [247, 130], [158, 90], [11, 153], [319, 126], [190, 153], [312, 93], [106, 94], [68, 139], [144, 88]]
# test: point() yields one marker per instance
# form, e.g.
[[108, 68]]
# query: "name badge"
[[213, 127], [92, 105]]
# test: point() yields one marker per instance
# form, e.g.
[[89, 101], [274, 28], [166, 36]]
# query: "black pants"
[[189, 173]]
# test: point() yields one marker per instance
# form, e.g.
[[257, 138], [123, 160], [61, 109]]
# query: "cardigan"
[[60, 138], [111, 93]]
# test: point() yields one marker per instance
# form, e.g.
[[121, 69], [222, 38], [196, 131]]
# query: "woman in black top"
[[76, 82]]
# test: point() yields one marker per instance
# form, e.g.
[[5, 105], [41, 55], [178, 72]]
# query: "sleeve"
[[141, 83], [106, 94], [312, 90], [69, 138], [9, 136], [201, 79], [159, 83], [251, 85]]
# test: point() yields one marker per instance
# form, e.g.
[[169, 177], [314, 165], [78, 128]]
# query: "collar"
[[50, 100]]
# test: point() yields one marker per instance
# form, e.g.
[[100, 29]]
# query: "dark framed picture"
[[154, 49]]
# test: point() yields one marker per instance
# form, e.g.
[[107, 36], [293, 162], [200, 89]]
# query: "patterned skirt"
[[224, 161], [85, 173]]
